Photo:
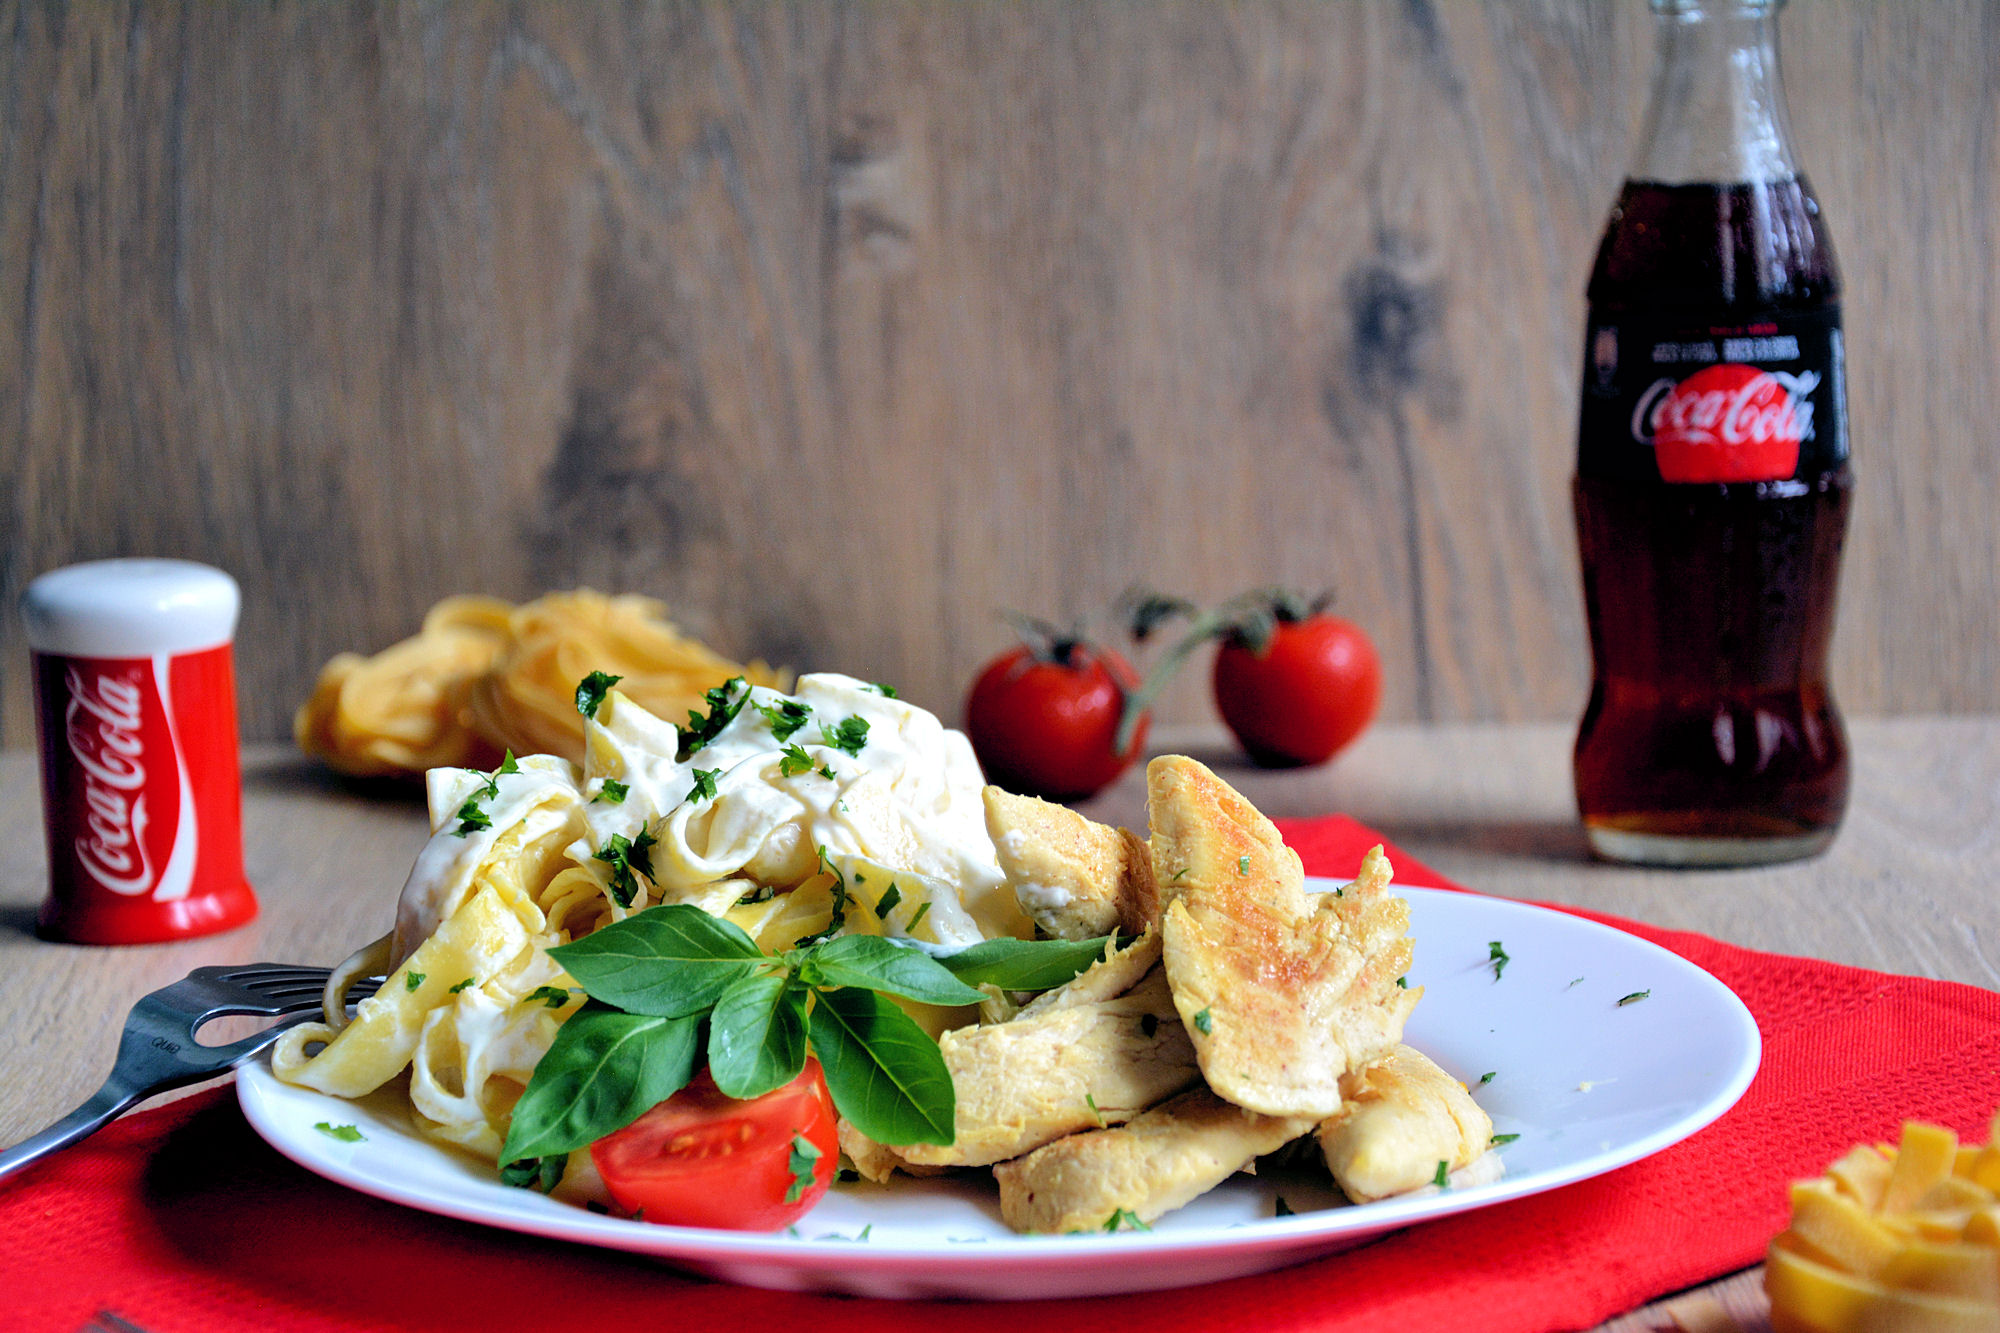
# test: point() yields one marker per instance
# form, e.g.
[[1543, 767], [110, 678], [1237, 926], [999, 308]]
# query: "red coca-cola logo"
[[1727, 423]]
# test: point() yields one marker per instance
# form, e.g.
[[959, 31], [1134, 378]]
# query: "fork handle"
[[104, 1105]]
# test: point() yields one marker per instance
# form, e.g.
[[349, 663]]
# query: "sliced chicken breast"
[[1161, 1160]]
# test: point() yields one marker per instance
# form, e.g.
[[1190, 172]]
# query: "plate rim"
[[257, 1087]]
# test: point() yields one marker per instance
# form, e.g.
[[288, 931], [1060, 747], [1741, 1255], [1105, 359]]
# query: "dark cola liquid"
[[1711, 736]]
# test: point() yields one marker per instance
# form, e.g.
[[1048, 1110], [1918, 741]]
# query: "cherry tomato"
[[1313, 689], [700, 1159], [1046, 726]]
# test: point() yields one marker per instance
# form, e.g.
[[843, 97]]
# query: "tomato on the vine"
[[700, 1159], [1311, 687], [1044, 719]]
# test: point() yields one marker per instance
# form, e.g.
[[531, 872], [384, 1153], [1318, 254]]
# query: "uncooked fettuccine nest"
[[485, 676]]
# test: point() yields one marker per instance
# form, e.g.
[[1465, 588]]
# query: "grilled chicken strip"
[[1401, 1117], [1074, 878], [1023, 1083], [1282, 991], [1172, 1154]]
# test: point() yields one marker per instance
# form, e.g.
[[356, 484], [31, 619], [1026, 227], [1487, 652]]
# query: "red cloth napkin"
[[182, 1221]]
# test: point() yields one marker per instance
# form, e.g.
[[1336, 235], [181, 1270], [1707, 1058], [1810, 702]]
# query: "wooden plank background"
[[840, 326]]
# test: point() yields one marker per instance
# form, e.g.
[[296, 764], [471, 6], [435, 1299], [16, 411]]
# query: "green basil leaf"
[[874, 963], [885, 1073], [669, 961], [757, 1035], [605, 1070], [1023, 964]]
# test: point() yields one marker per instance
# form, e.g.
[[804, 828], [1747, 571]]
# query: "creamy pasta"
[[838, 783]]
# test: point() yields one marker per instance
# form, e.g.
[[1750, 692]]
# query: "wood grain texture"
[[841, 326]]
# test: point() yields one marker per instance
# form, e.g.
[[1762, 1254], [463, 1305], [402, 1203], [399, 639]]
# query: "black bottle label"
[[1685, 400]]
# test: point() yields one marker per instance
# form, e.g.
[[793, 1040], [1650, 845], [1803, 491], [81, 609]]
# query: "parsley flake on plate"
[[1498, 957], [1203, 1022], [1502, 1140], [1443, 1176], [345, 1133], [1633, 998]]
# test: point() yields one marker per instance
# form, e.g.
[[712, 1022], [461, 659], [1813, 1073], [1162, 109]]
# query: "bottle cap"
[[130, 608]]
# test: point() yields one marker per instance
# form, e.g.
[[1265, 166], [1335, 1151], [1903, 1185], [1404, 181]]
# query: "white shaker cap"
[[130, 608]]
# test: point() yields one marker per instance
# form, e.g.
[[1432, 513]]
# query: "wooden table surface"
[[1908, 886]]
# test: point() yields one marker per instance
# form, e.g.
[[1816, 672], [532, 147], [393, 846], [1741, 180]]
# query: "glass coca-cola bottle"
[[1712, 480]]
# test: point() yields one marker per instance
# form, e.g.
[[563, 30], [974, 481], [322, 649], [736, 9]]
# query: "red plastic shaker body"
[[135, 696]]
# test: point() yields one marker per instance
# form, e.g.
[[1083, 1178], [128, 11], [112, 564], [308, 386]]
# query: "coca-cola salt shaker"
[[135, 699]]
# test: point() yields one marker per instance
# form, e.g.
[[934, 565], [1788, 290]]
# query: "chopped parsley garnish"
[[1443, 1175], [625, 855], [1486, 1078], [471, 818], [704, 784], [1498, 957], [613, 792], [763, 893], [886, 691], [826, 771], [839, 919], [412, 980], [922, 908], [803, 1163], [1403, 982], [1574, 984], [1242, 865], [1125, 1218], [555, 997], [1177, 875], [1203, 1023], [507, 765], [887, 902], [785, 717], [1633, 998], [345, 1133], [590, 692], [848, 737], [1284, 1209], [1091, 1102], [794, 761], [724, 703], [535, 1173], [1502, 1140], [461, 986]]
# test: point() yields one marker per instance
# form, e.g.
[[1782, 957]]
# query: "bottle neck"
[[1717, 113]]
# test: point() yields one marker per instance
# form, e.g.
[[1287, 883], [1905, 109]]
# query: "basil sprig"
[[672, 984]]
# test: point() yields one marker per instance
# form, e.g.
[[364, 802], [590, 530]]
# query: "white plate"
[[1587, 1084]]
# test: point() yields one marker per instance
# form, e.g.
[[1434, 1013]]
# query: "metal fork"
[[158, 1050]]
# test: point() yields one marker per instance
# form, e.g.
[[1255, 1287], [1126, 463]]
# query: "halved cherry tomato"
[[1045, 723], [700, 1159]]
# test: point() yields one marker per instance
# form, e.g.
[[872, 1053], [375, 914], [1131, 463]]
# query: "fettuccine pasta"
[[484, 676], [528, 858], [1892, 1238]]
